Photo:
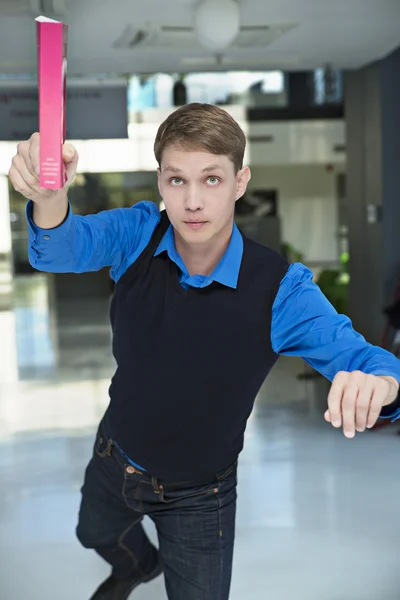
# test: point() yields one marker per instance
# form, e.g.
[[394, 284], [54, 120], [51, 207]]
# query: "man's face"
[[199, 192]]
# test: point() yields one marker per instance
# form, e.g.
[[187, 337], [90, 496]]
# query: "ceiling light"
[[217, 23]]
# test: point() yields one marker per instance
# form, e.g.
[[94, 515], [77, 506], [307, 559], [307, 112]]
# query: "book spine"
[[51, 82], [64, 51]]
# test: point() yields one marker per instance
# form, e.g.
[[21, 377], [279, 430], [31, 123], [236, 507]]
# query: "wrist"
[[394, 388], [51, 212]]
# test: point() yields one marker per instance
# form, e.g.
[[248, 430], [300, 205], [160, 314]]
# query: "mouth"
[[195, 224]]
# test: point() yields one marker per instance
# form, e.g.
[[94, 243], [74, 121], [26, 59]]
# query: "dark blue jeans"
[[195, 524]]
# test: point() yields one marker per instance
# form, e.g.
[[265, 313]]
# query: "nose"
[[193, 199]]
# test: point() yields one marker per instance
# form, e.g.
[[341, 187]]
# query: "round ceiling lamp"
[[217, 23]]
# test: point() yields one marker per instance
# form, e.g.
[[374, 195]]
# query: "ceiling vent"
[[176, 37]]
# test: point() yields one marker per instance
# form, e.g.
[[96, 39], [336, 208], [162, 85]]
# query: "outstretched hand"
[[356, 399]]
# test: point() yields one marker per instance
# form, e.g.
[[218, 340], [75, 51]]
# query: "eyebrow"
[[206, 170]]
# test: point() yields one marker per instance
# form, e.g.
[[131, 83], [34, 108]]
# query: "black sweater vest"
[[190, 362]]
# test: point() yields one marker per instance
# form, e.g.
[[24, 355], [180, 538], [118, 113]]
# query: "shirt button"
[[130, 470], [46, 237]]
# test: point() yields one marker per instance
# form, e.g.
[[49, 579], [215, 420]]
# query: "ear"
[[242, 179], [159, 182]]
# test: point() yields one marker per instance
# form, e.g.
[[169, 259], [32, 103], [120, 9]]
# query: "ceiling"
[[347, 34]]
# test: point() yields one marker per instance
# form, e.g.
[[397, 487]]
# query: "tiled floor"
[[317, 513]]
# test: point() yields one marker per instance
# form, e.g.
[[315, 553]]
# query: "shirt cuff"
[[40, 235]]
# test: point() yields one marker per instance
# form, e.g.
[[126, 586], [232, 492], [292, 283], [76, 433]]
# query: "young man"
[[199, 317]]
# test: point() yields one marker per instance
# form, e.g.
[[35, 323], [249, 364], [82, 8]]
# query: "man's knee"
[[89, 530], [94, 532], [84, 536]]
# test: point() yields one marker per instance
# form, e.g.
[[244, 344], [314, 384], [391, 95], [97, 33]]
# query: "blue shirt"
[[304, 323]]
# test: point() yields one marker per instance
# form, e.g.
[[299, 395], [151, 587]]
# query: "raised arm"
[[60, 241]]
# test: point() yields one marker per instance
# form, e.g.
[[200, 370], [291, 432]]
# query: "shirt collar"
[[227, 270]]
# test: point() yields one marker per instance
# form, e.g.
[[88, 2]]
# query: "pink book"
[[52, 73]]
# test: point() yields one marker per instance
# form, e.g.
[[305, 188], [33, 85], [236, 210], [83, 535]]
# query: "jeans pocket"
[[102, 445], [170, 493], [183, 491], [230, 471]]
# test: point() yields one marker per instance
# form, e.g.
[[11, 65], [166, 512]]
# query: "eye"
[[176, 181], [213, 180]]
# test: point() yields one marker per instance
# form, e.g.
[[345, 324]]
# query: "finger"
[[68, 151], [70, 158], [327, 416], [379, 395], [19, 184], [349, 400], [22, 168], [374, 411], [335, 399], [363, 404], [34, 154], [23, 154]]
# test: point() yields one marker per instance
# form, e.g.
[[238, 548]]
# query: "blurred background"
[[315, 86]]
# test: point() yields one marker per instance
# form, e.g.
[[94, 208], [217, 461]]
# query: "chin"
[[195, 236]]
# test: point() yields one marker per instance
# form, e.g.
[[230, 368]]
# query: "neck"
[[201, 259]]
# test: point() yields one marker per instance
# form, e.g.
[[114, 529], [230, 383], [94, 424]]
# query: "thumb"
[[70, 158]]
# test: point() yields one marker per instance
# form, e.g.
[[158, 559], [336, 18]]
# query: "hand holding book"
[[50, 205]]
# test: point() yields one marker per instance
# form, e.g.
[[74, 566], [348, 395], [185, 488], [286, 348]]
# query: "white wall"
[[307, 206]]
